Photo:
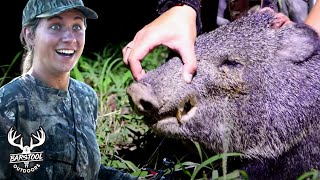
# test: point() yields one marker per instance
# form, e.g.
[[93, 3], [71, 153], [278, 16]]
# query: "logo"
[[26, 156]]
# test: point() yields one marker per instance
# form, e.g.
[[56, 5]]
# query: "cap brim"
[[87, 12]]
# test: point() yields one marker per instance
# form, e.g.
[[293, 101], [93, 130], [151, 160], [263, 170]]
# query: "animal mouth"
[[181, 114]]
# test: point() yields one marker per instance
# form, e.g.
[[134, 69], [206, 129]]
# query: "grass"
[[6, 69], [119, 129], [121, 132]]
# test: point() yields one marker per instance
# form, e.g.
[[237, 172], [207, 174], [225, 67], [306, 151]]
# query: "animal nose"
[[142, 98]]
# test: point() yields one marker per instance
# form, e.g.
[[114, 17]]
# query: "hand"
[[279, 20], [176, 29], [313, 17]]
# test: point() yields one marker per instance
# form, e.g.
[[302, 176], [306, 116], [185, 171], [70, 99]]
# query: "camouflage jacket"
[[57, 128]]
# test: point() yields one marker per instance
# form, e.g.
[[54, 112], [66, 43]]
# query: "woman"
[[48, 119]]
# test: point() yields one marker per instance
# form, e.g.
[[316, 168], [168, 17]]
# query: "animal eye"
[[231, 63]]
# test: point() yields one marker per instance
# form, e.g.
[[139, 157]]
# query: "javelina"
[[256, 87]]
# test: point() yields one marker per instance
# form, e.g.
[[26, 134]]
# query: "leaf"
[[210, 160], [140, 173], [313, 174], [199, 149]]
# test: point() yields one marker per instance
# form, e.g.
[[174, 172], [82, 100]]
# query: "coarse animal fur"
[[256, 88]]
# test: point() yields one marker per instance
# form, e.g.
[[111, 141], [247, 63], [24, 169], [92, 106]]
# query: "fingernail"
[[143, 72], [140, 76], [187, 77]]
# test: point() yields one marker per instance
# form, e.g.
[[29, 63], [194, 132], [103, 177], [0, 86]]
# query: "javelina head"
[[256, 88]]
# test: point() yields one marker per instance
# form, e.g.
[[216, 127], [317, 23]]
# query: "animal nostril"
[[147, 106], [142, 98]]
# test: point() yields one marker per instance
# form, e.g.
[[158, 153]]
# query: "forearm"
[[164, 5], [313, 18]]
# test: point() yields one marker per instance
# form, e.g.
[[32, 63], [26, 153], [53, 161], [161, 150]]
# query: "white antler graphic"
[[13, 137], [41, 137]]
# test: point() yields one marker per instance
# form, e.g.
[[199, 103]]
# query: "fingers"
[[190, 62], [189, 70], [134, 64], [280, 20], [163, 31], [136, 70], [135, 51], [126, 52]]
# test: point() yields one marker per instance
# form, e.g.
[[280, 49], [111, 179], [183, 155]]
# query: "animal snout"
[[142, 98]]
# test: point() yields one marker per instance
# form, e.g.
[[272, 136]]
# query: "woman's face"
[[59, 42]]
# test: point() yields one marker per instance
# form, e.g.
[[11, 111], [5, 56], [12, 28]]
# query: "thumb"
[[189, 63]]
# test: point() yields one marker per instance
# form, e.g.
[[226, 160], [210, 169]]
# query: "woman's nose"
[[69, 36]]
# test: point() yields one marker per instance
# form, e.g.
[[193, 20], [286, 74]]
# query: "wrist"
[[164, 5]]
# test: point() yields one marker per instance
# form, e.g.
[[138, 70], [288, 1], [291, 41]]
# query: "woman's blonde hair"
[[26, 40]]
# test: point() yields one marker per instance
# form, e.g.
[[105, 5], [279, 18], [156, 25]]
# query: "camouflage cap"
[[46, 8]]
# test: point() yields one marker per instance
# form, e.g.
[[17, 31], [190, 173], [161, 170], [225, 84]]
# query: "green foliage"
[[233, 175], [311, 175], [5, 69], [209, 165], [118, 127]]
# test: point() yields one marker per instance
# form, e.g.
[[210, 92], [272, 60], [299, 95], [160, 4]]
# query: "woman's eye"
[[55, 27], [77, 27]]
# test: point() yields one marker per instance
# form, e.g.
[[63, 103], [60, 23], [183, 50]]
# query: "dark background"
[[118, 22]]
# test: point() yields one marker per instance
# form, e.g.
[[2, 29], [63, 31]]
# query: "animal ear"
[[297, 42]]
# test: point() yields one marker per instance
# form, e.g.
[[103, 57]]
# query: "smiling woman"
[[57, 46], [57, 112]]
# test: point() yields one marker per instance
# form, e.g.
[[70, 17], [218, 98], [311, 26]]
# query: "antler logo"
[[26, 156]]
